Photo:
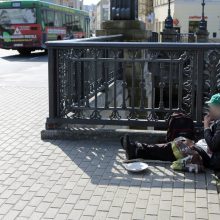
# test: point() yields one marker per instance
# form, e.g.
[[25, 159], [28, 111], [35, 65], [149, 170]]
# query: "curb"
[[148, 136]]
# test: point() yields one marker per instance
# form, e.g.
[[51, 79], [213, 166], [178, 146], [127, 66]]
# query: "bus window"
[[76, 26], [58, 19], [50, 18], [72, 20], [67, 20], [82, 23], [18, 16], [44, 16], [87, 22], [63, 19]]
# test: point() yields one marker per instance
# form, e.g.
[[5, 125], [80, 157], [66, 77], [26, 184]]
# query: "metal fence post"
[[52, 83], [200, 85], [82, 95]]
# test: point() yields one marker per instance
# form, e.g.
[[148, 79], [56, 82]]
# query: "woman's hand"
[[190, 143], [207, 121]]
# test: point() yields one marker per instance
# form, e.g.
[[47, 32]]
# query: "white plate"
[[135, 167]]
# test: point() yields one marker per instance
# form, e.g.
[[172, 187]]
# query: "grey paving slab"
[[84, 179]]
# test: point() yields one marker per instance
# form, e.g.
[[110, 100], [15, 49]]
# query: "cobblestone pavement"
[[85, 179]]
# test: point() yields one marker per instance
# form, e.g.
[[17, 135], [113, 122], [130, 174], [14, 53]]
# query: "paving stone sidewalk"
[[85, 179]]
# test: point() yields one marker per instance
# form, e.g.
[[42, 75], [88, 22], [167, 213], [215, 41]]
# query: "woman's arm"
[[213, 140]]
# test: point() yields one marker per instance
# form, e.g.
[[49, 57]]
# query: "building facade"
[[76, 4], [186, 16], [145, 13], [92, 15], [102, 12]]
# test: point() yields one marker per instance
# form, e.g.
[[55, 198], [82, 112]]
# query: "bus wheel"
[[24, 52]]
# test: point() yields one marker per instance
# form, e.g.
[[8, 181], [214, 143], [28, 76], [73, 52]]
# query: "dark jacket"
[[212, 137]]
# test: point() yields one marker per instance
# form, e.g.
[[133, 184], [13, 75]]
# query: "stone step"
[[148, 136]]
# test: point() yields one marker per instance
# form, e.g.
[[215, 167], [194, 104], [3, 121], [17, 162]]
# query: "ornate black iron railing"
[[129, 83]]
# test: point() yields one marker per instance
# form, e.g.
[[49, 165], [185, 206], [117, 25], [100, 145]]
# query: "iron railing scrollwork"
[[132, 84]]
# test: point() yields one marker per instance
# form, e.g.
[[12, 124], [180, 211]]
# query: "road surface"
[[23, 71]]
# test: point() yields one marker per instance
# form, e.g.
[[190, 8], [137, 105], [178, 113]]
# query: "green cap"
[[215, 100]]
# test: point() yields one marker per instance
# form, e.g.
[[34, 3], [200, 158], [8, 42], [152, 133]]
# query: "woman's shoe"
[[121, 141], [130, 149]]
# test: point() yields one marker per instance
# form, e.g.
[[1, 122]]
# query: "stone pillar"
[[170, 35], [132, 30], [124, 22], [202, 36]]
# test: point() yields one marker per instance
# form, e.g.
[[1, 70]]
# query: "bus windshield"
[[18, 16]]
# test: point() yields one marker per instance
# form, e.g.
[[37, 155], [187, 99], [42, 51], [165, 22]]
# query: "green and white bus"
[[26, 25]]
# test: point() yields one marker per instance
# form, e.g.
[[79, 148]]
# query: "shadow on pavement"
[[33, 57], [102, 163]]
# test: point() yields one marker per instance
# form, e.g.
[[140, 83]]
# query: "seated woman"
[[164, 152], [212, 131]]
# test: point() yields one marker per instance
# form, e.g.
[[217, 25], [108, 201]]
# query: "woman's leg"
[[161, 152], [205, 158], [135, 150], [129, 147]]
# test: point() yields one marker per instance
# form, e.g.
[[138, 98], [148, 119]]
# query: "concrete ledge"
[[148, 136], [123, 24], [131, 34], [131, 30]]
